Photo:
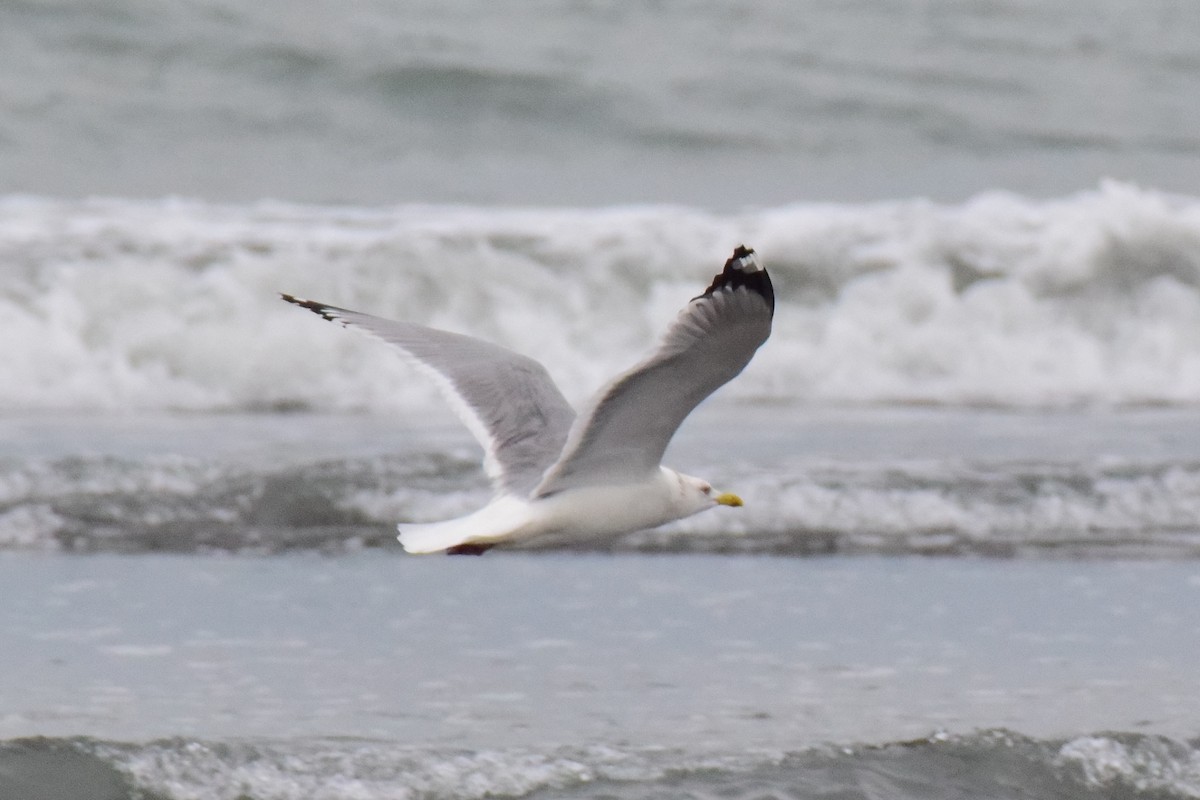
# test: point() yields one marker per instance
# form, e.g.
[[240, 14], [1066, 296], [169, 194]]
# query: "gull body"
[[587, 512], [598, 473]]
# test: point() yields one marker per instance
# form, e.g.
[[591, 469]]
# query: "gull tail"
[[496, 522]]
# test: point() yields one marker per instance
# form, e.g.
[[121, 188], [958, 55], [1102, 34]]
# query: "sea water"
[[919, 481], [382, 676], [117, 304], [695, 102], [966, 566], [284, 646]]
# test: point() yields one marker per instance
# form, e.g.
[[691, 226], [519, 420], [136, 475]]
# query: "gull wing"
[[625, 430], [508, 401]]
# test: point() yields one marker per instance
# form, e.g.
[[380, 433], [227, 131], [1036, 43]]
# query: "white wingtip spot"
[[750, 263]]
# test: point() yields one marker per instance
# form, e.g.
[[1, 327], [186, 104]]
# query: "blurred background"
[[708, 104], [962, 202], [971, 210]]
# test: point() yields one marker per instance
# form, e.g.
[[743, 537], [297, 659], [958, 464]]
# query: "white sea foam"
[[1006, 509], [116, 304], [1144, 764], [367, 770], [985, 761], [800, 506]]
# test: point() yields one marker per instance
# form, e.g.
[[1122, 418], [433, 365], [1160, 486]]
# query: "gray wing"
[[627, 426], [507, 400]]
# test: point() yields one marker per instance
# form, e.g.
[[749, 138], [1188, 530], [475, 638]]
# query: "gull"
[[596, 474]]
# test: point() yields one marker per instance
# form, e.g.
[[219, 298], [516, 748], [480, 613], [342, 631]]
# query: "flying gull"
[[597, 473]]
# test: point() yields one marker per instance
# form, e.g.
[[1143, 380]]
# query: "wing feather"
[[626, 428], [508, 401]]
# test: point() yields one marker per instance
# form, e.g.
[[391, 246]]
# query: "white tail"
[[496, 522]]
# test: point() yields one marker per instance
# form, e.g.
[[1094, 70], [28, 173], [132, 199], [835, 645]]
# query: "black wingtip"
[[743, 269], [325, 312]]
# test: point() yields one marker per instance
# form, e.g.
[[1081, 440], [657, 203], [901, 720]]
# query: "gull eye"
[[706, 489]]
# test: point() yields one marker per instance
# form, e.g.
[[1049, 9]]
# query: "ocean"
[[970, 452]]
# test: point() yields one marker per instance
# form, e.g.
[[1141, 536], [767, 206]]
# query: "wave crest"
[[1001, 301]]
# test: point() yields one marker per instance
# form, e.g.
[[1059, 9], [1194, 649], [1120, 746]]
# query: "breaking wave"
[[182, 504], [112, 304], [988, 763]]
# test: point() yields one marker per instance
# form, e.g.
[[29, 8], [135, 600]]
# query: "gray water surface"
[[514, 649]]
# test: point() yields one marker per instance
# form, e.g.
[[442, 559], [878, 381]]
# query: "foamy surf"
[[896, 481], [104, 505], [114, 304], [987, 763]]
